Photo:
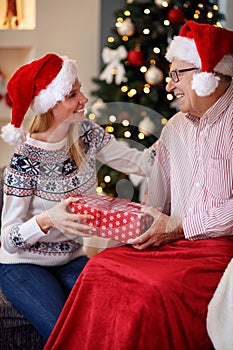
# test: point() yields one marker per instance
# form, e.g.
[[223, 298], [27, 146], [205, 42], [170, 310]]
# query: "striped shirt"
[[192, 178]]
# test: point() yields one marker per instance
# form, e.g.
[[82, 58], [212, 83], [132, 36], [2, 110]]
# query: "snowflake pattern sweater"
[[39, 175]]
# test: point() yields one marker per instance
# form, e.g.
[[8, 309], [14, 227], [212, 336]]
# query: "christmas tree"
[[132, 102]]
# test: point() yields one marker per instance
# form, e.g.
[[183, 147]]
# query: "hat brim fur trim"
[[57, 89], [183, 49], [12, 135]]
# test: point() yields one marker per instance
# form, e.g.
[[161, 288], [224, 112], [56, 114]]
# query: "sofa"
[[15, 331]]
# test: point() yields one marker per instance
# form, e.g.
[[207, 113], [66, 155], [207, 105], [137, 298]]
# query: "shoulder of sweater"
[[89, 124]]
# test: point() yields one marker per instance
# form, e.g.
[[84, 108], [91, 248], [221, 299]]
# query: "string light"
[[156, 50], [109, 128], [146, 90], [215, 7], [111, 39], [146, 31], [132, 92], [127, 134], [147, 11], [210, 14], [120, 19], [200, 5], [127, 13], [141, 136], [143, 69], [164, 121], [166, 22], [125, 38], [125, 122], [99, 189], [112, 118], [91, 116], [107, 178], [169, 97], [124, 88]]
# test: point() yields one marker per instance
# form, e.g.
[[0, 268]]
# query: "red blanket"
[[127, 299]]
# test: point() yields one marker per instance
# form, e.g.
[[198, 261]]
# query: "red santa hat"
[[208, 48], [38, 85]]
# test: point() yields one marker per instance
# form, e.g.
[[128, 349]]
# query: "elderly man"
[[154, 293]]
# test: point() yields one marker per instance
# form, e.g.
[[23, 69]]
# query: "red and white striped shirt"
[[192, 178]]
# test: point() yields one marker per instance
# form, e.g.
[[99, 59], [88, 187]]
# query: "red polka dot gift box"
[[115, 218]]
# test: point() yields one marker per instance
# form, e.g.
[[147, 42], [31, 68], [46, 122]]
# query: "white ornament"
[[114, 66], [126, 28], [153, 75], [146, 126], [162, 3]]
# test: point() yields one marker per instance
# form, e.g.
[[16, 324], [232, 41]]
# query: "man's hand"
[[164, 229]]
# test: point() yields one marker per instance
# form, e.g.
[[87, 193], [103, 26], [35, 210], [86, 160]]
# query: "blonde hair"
[[75, 145]]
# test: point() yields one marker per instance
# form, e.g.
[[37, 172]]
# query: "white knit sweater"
[[39, 175]]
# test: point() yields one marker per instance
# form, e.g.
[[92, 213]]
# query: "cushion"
[[15, 331]]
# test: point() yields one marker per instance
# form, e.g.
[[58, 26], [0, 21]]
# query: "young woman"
[[42, 251]]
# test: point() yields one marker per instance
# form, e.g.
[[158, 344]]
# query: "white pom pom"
[[204, 83], [13, 136]]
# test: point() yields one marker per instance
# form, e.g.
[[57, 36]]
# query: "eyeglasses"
[[174, 74]]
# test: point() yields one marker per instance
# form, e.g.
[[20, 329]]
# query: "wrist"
[[175, 228], [179, 231], [44, 221]]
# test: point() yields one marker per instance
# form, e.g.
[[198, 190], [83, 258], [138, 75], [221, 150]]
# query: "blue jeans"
[[40, 292]]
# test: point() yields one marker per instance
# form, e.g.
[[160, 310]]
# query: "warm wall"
[[226, 7]]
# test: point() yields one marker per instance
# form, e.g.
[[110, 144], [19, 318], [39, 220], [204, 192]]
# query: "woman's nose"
[[82, 98]]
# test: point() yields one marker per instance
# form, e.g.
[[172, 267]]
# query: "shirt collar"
[[214, 112]]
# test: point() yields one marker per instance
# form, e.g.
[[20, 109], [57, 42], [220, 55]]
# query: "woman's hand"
[[60, 218], [164, 229]]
